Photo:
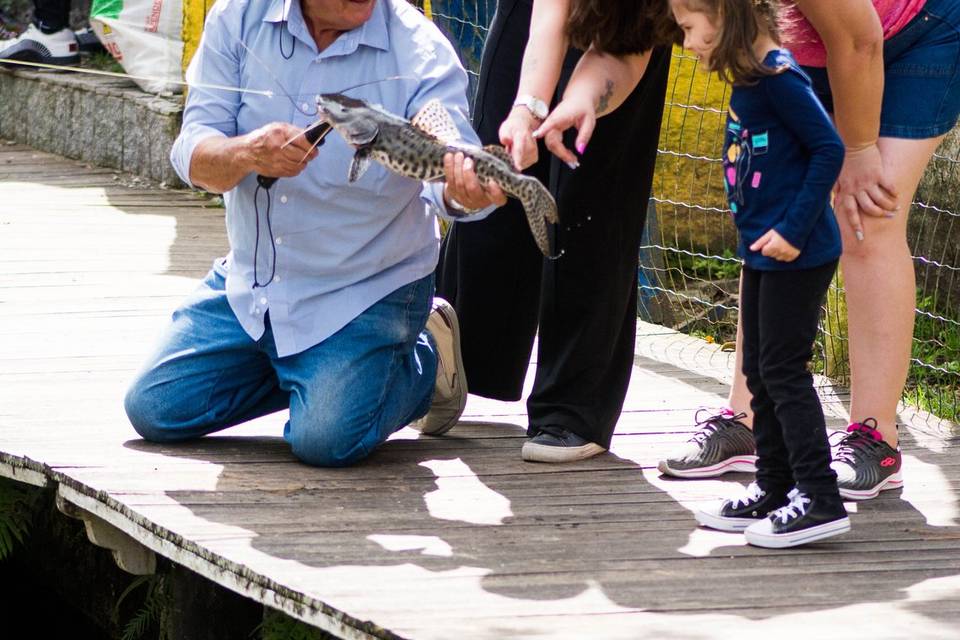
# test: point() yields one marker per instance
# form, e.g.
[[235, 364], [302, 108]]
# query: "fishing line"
[[113, 74]]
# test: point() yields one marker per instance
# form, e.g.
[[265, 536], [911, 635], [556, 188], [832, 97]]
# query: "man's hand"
[[772, 245], [516, 134], [278, 150], [464, 190]]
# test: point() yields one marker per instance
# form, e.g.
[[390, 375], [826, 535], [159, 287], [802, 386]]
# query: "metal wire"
[[688, 269]]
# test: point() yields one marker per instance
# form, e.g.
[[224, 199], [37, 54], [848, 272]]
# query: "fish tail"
[[540, 208]]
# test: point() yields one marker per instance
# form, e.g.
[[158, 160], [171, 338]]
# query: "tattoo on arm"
[[604, 101]]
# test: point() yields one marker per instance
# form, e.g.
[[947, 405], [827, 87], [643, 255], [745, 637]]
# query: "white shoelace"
[[751, 493], [796, 507]]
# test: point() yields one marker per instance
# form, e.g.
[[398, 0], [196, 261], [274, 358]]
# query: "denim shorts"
[[921, 94]]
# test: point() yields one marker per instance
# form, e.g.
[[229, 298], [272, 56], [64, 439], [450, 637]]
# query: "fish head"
[[353, 119]]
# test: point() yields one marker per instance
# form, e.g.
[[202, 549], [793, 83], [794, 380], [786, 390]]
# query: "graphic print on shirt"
[[740, 148]]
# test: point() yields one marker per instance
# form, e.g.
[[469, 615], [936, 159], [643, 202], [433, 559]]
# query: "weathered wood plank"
[[430, 537]]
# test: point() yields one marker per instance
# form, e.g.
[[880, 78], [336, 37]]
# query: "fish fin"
[[500, 152], [433, 119], [359, 166]]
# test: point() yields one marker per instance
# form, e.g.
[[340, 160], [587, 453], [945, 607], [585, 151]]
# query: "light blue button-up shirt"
[[340, 247]]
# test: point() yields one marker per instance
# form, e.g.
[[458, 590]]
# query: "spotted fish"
[[415, 149]]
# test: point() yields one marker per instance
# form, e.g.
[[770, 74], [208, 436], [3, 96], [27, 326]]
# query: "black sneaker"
[[722, 444], [556, 444], [33, 45], [804, 520], [865, 464], [88, 42], [742, 511]]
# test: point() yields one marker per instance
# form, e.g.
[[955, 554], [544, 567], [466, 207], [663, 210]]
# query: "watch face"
[[539, 108], [536, 106]]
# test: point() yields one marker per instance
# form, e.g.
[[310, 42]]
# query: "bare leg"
[[739, 398], [881, 293]]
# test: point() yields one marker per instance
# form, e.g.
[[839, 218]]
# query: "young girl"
[[781, 158]]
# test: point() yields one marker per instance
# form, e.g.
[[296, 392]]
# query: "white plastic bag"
[[145, 37]]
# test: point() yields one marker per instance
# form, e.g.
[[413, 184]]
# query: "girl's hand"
[[864, 188], [463, 190], [772, 245], [516, 134], [573, 111]]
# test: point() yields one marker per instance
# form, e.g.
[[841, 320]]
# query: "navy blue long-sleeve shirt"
[[782, 156]]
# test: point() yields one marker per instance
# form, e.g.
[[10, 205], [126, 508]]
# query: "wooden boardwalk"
[[451, 537]]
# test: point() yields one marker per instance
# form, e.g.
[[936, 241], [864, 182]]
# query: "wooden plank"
[[429, 537]]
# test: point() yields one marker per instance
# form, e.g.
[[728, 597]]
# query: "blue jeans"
[[346, 395], [921, 91]]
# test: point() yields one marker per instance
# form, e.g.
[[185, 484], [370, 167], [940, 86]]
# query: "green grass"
[[933, 383], [102, 61]]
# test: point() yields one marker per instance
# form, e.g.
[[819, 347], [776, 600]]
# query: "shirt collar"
[[373, 32]]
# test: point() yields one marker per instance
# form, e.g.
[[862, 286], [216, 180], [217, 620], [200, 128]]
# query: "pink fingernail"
[[581, 147]]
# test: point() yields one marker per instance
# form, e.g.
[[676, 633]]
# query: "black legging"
[[779, 311], [51, 16], [586, 301]]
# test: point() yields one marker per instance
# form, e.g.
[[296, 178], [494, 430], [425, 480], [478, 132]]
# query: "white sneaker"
[[34, 45], [450, 392]]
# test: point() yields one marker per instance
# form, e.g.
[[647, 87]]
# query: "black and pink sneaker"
[[865, 464], [722, 443]]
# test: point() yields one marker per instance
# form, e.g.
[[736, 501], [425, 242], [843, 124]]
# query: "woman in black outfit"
[[584, 302]]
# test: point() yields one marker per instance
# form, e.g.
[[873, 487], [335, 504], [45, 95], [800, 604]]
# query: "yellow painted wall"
[[194, 13]]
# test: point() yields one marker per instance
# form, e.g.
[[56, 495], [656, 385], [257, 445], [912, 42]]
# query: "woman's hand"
[[463, 191], [863, 188], [516, 134], [573, 111], [772, 245]]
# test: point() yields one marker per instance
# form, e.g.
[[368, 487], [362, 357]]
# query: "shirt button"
[[283, 199], [279, 240], [276, 278], [263, 301], [305, 106]]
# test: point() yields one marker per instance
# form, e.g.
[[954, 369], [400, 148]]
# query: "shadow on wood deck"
[[430, 537]]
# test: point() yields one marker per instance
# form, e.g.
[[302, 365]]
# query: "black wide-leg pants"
[[585, 302], [51, 15]]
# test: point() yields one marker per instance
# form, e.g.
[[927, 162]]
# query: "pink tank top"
[[801, 38]]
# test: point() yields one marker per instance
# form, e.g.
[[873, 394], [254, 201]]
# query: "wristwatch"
[[534, 105]]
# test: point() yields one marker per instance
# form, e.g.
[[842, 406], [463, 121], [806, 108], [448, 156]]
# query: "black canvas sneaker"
[[804, 520], [738, 513], [556, 444], [722, 444], [865, 464]]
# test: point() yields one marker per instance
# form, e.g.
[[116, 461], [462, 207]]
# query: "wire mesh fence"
[[688, 270]]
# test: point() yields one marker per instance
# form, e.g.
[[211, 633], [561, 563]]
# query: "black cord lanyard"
[[256, 245]]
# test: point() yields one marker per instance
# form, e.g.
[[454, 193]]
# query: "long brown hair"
[[620, 27], [740, 22]]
